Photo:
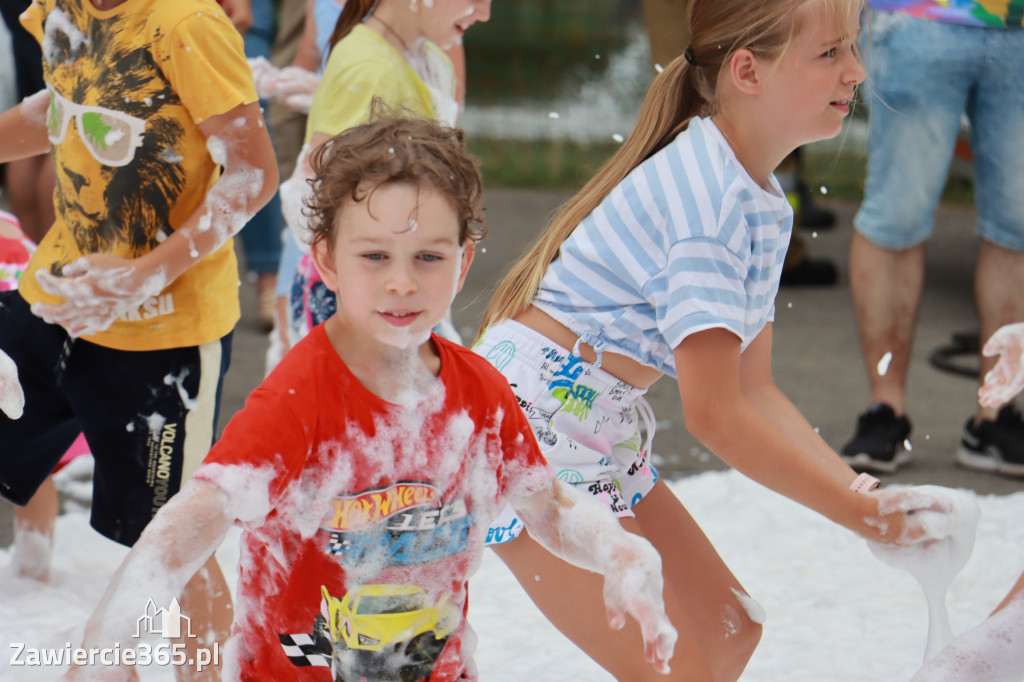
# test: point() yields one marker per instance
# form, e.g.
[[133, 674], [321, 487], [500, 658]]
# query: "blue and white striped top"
[[686, 242]]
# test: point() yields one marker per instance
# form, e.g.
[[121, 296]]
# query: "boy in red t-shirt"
[[366, 468]]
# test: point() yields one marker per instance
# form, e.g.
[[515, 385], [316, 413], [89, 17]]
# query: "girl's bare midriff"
[[619, 366]]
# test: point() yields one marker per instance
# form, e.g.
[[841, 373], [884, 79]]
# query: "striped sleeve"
[[701, 287]]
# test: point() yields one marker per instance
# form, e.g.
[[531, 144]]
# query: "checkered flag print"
[[303, 652]]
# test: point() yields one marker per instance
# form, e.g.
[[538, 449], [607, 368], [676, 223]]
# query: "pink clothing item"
[[77, 449], [15, 253]]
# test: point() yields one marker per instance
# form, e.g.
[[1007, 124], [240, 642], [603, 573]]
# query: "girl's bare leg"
[[716, 637]]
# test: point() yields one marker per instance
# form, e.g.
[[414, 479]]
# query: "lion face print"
[[116, 136]]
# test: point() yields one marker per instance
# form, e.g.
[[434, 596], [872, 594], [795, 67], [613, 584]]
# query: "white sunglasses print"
[[110, 136]]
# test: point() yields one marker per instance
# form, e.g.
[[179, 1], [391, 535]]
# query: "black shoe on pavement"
[[995, 446], [878, 443]]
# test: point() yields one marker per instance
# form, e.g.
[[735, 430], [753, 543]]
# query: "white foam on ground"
[[837, 613]]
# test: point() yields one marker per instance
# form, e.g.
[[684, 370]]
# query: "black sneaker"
[[996, 446], [878, 444]]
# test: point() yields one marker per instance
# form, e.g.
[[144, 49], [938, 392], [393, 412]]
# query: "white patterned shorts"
[[588, 422]]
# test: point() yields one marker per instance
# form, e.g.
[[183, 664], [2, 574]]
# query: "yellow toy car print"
[[371, 624]]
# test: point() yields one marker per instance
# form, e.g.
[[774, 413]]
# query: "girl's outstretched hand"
[[98, 289], [907, 516], [1006, 379], [633, 584]]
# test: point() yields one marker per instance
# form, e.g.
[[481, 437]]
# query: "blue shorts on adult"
[[923, 76], [148, 416]]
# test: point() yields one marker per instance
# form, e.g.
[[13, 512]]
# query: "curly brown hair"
[[354, 163]]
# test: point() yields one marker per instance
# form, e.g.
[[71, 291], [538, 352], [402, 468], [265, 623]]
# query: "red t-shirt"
[[364, 519]]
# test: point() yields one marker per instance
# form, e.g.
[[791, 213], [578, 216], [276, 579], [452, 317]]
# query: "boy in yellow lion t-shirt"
[[121, 327]]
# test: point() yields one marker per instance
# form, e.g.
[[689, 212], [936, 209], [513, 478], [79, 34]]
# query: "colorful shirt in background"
[[990, 13], [129, 87]]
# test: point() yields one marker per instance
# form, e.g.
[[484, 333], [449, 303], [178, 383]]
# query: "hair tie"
[[689, 55]]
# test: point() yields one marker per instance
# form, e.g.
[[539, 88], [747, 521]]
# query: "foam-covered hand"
[[294, 192], [97, 290], [292, 86], [574, 526], [909, 516], [1006, 379], [633, 584], [944, 531], [12, 398]]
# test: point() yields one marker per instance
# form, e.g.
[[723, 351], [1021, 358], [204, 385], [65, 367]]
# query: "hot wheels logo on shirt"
[[370, 508]]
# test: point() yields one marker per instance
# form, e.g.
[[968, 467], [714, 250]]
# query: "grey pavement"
[[816, 359]]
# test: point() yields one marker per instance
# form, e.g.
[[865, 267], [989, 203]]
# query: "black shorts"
[[149, 416], [28, 55]]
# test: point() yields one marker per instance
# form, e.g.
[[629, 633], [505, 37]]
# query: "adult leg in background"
[[910, 147], [996, 113]]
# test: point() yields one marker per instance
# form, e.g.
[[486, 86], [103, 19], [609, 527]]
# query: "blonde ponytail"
[[670, 103], [685, 89]]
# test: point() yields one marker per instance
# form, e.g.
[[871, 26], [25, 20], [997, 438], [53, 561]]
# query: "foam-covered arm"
[[580, 530], [731, 403], [100, 288], [176, 543]]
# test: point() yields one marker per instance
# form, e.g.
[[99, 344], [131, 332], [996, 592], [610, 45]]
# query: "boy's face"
[[396, 263]]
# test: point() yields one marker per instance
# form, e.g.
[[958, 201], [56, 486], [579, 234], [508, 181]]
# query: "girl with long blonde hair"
[[668, 262]]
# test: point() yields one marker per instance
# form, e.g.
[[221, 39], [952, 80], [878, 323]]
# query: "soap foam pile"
[[935, 564], [834, 612]]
